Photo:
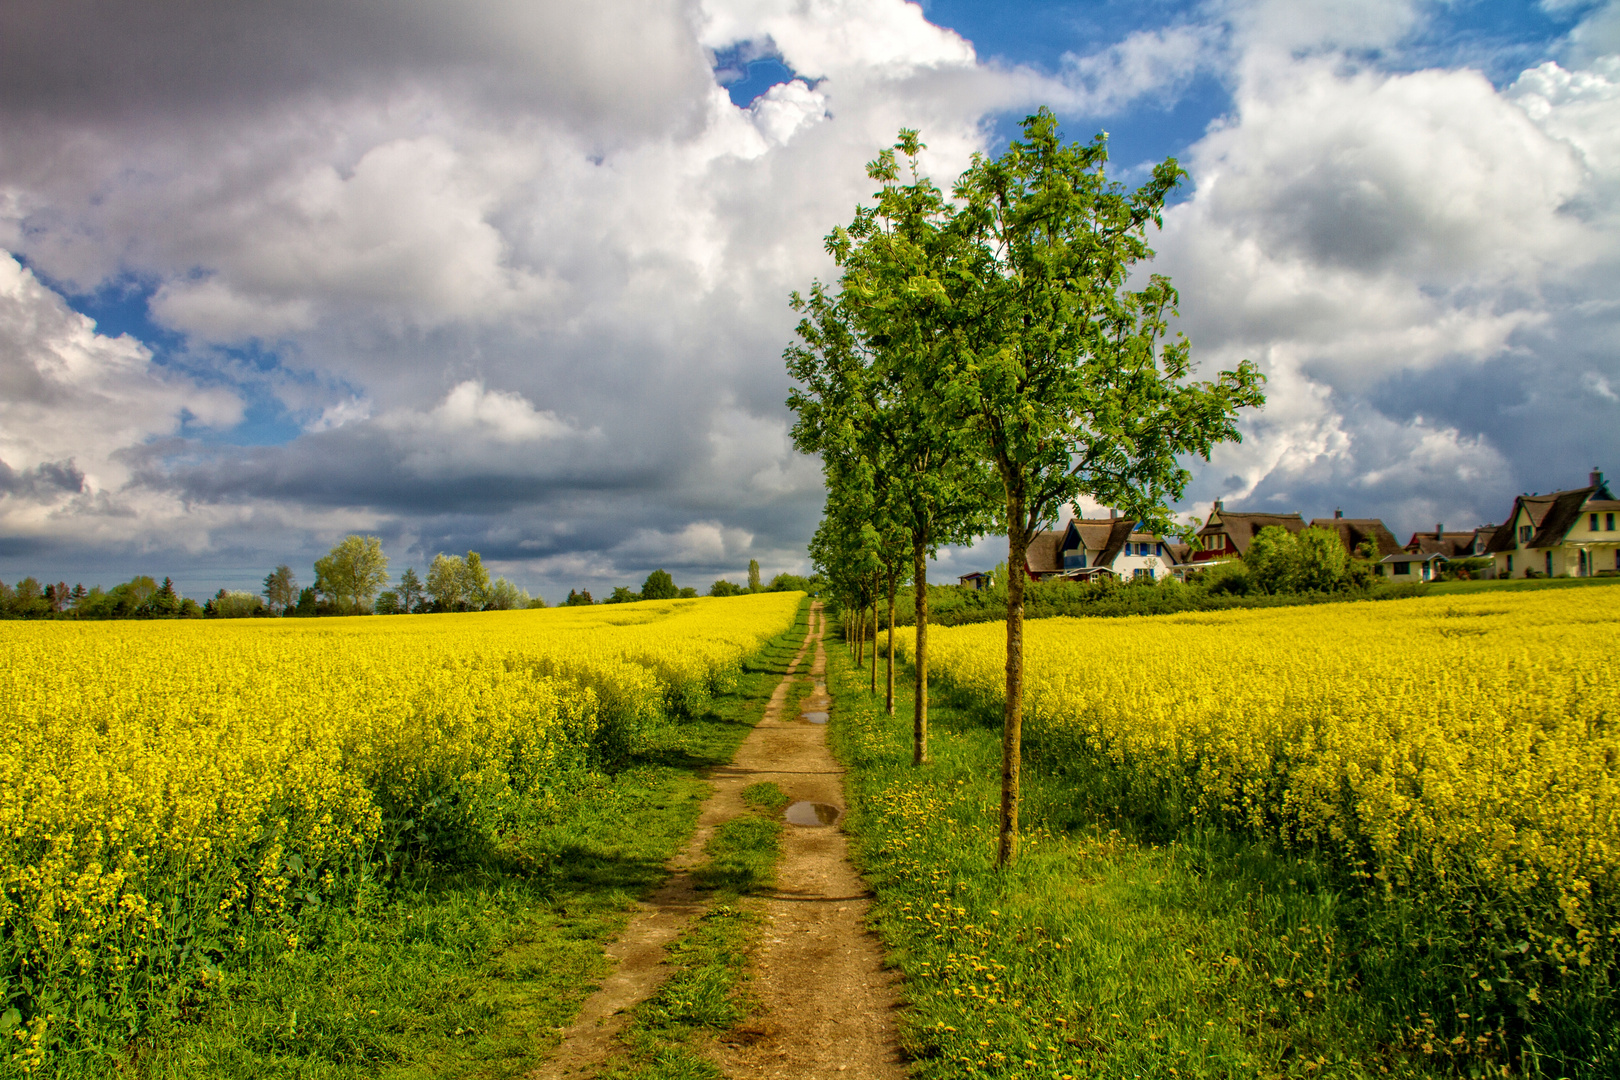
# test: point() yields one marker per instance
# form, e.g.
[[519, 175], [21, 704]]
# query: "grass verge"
[[466, 971], [1099, 954]]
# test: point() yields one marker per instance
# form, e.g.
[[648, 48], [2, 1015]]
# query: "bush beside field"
[[1456, 759], [165, 783]]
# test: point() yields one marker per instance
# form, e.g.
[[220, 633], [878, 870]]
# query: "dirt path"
[[828, 1002]]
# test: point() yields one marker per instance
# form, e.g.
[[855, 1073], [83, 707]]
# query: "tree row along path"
[[827, 1003]]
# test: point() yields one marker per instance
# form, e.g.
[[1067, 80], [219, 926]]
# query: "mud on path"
[[827, 1001]]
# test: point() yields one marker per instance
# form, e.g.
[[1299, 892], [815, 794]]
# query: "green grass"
[[1100, 954], [466, 971]]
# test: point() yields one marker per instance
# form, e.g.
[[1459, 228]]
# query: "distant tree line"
[[351, 579], [660, 586]]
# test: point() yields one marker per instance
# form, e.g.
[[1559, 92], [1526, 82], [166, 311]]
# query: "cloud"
[[75, 405], [1422, 264], [516, 276], [1154, 64]]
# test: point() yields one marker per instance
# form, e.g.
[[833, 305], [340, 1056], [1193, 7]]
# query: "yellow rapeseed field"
[[1457, 753], [153, 770]]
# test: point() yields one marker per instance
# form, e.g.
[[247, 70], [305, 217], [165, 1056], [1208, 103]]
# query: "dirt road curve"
[[828, 1002]]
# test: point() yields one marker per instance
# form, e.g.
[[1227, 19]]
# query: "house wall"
[[1601, 544]]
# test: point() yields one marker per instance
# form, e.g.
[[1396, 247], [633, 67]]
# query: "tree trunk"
[[874, 644], [889, 697], [919, 725], [860, 635], [1012, 724]]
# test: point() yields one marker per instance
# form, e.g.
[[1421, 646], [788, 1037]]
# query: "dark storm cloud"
[[625, 64], [45, 480]]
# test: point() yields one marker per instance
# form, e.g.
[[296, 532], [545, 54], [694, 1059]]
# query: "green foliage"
[[281, 589], [789, 583], [688, 593], [722, 587], [388, 603], [234, 605], [504, 596], [659, 586], [351, 573], [456, 583], [578, 599], [622, 595], [1314, 560], [753, 575]]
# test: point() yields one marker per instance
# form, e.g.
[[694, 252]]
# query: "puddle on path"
[[811, 813], [814, 717]]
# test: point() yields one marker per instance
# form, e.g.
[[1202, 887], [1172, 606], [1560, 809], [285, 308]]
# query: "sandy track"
[[828, 1002]]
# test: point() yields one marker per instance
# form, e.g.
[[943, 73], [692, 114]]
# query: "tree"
[[504, 596], [447, 582], [578, 599], [622, 595], [1314, 560], [352, 572], [722, 587], [388, 602], [753, 575], [1062, 371], [280, 589], [866, 364], [307, 604], [660, 586], [475, 581], [409, 590], [165, 603]]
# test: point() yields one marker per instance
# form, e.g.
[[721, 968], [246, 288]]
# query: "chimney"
[[1439, 531], [1337, 513], [1112, 513], [1596, 479], [1217, 505]]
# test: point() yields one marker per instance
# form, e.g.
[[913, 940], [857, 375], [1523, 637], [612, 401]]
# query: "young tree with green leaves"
[[1061, 362], [409, 591], [753, 575], [352, 572], [280, 589], [659, 586], [861, 369]]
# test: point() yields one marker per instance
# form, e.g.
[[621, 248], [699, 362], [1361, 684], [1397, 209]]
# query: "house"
[[1227, 534], [1573, 533], [1412, 566], [1088, 548], [1354, 533], [1453, 545], [979, 579]]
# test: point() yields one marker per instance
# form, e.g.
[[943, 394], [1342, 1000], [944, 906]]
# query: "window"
[[1510, 566], [1608, 523], [1549, 563], [1524, 534], [1142, 572], [1403, 568], [1594, 522], [1074, 560]]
